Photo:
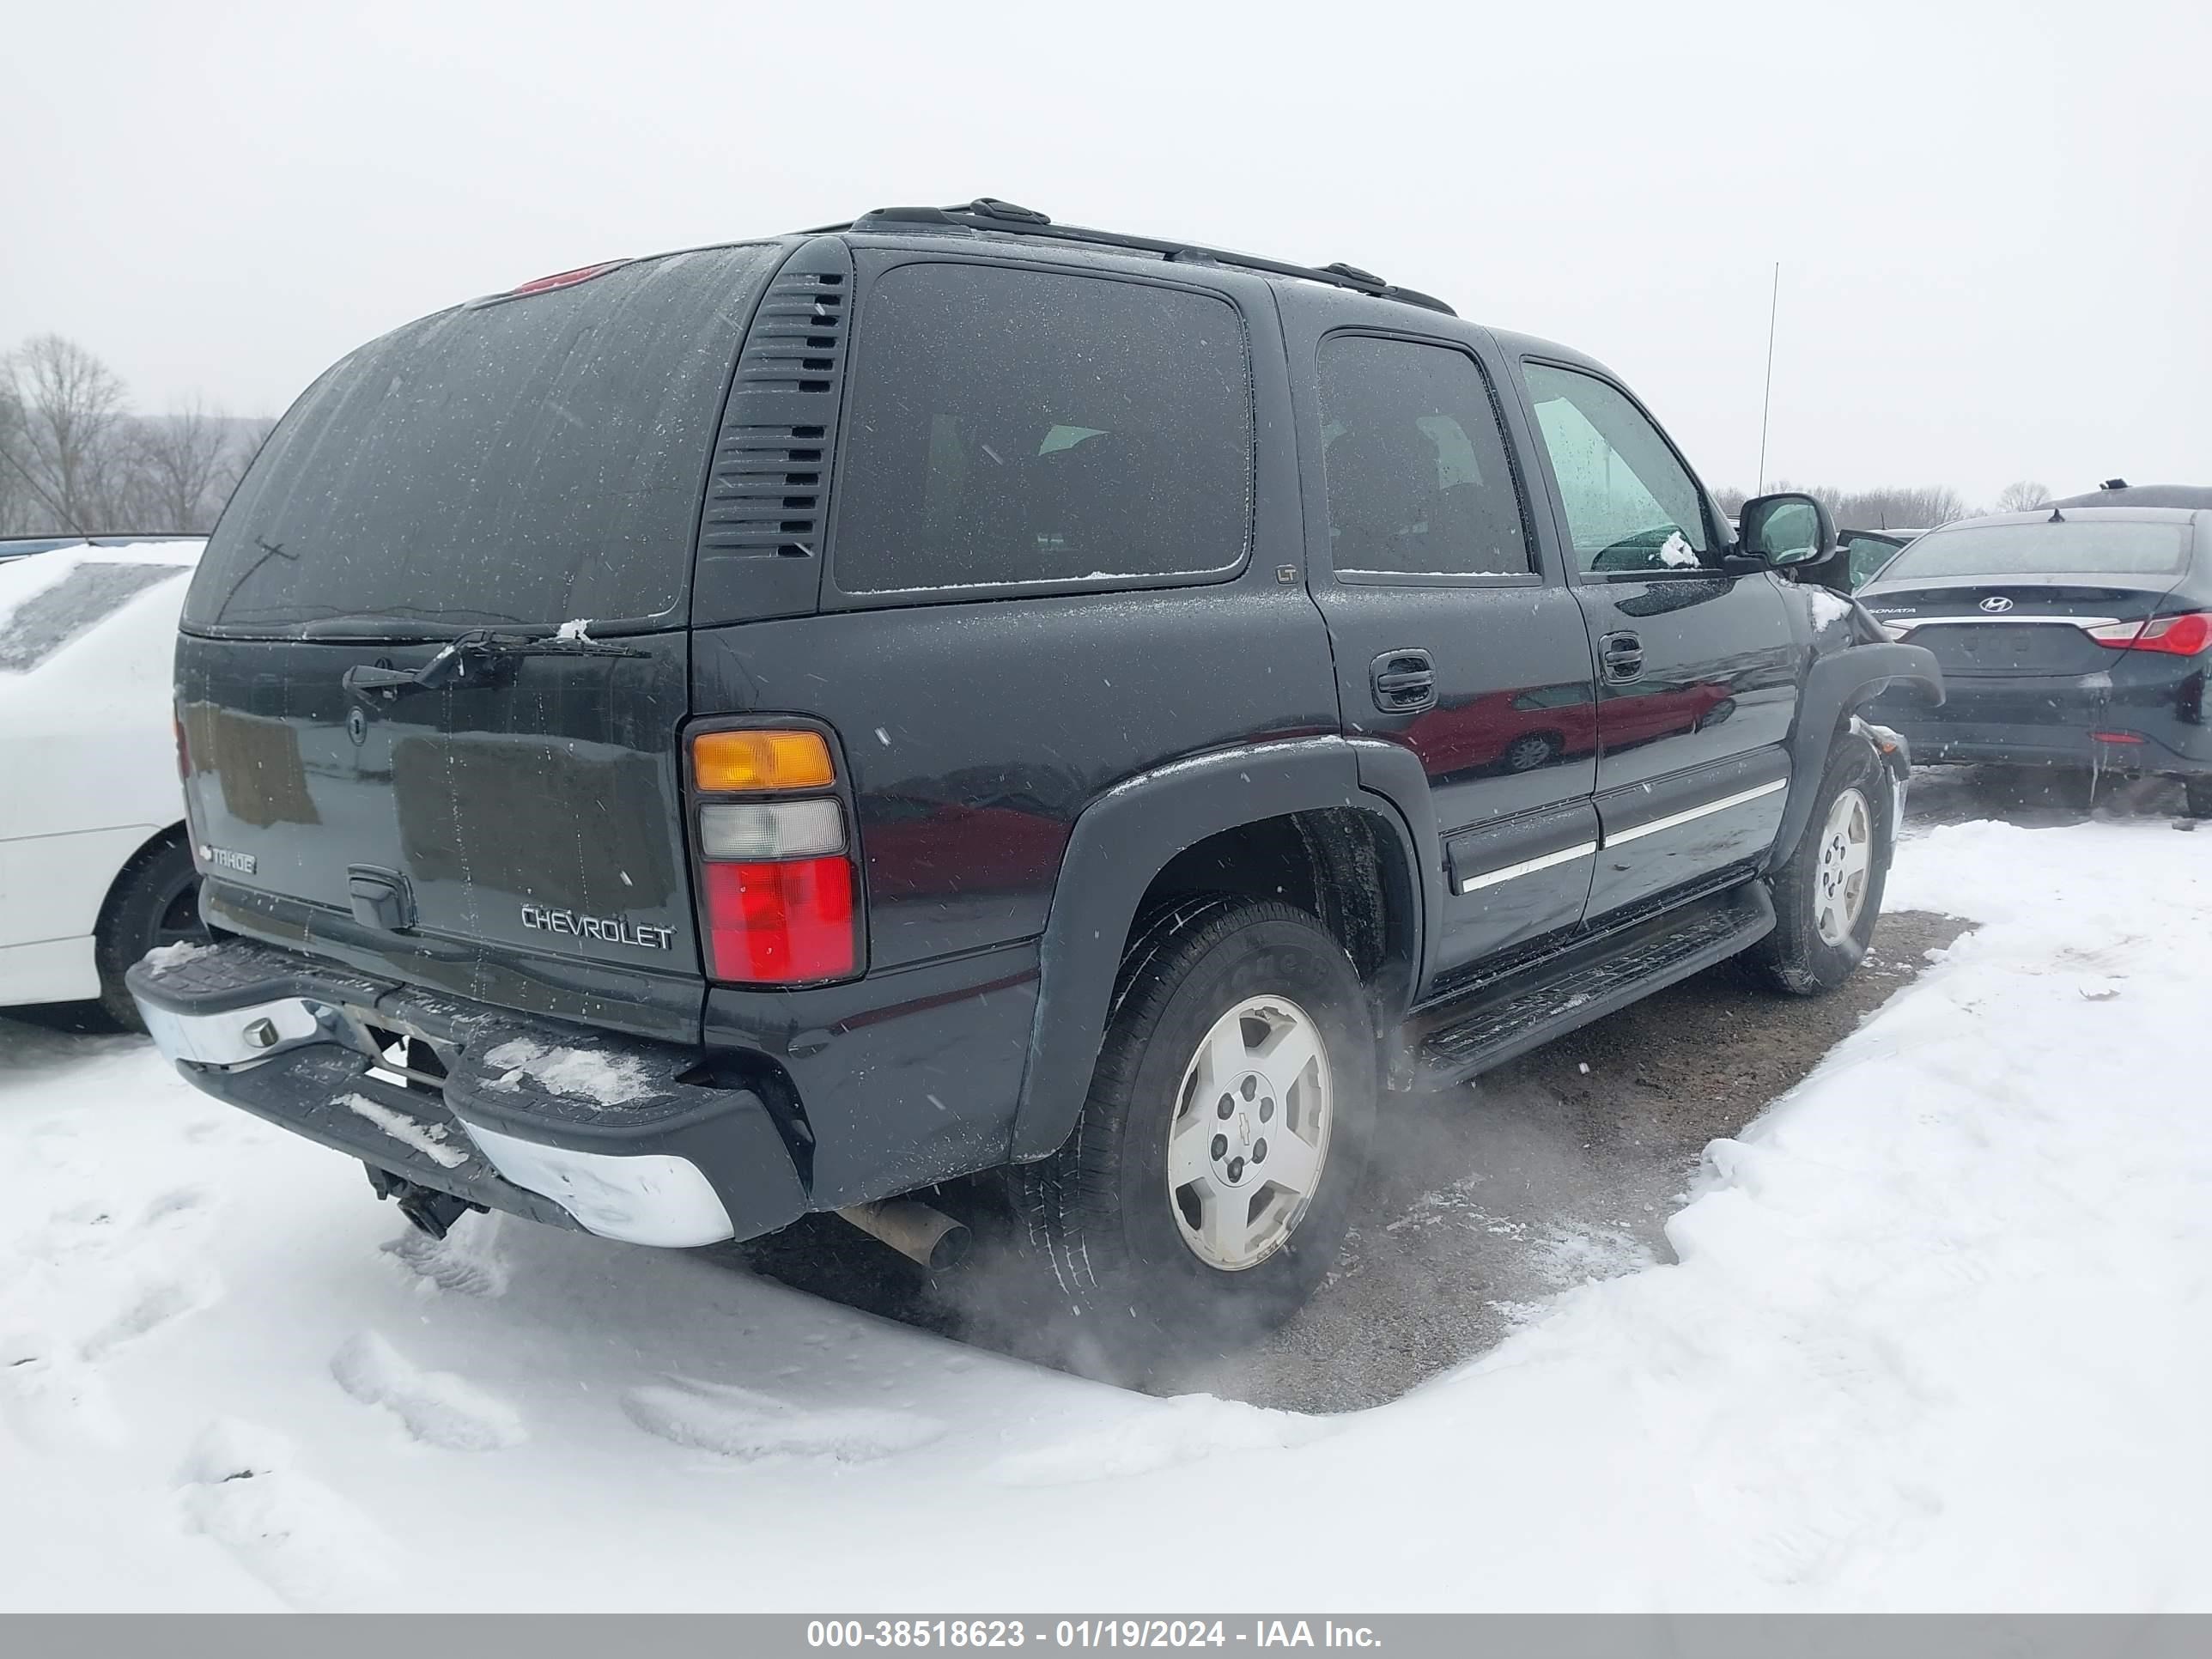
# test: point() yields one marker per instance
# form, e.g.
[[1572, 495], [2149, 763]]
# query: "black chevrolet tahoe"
[[781, 727]]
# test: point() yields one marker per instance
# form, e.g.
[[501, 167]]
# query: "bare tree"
[[2022, 498], [246, 443], [74, 459], [71, 456], [1894, 507], [16, 503], [180, 469]]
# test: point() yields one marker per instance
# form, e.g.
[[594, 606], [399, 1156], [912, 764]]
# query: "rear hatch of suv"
[[435, 662]]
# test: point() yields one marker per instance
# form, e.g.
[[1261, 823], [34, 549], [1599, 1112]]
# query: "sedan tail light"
[[2185, 635], [776, 882]]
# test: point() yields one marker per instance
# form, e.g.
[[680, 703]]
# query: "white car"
[[94, 867]]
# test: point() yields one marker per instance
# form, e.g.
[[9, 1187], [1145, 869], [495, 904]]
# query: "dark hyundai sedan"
[[2069, 636]]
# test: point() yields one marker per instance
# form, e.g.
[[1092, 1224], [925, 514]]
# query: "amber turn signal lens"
[[729, 761]]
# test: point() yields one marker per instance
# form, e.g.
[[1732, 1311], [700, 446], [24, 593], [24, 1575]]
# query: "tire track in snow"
[[239, 1487], [437, 1407], [733, 1422]]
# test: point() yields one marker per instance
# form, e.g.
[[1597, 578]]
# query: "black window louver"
[[769, 490]]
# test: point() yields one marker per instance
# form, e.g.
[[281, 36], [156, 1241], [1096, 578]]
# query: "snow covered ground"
[[1937, 1339]]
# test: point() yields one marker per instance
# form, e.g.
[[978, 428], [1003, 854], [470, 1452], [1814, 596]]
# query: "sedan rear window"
[[2071, 548]]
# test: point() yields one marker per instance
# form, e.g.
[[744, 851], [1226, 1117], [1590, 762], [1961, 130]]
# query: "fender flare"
[[1837, 686], [1119, 843]]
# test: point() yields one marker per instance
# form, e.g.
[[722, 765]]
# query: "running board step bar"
[[1460, 1040]]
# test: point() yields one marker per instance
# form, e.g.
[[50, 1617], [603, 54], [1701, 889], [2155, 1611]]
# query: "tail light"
[[2185, 635], [564, 278], [184, 752], [777, 881]]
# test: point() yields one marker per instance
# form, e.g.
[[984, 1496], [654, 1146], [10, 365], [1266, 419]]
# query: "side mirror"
[[1784, 530]]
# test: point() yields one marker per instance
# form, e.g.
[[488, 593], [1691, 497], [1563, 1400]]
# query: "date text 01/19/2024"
[[1086, 1633]]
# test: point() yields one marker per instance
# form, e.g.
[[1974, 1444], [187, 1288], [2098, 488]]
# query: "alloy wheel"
[[1846, 862], [1251, 1134]]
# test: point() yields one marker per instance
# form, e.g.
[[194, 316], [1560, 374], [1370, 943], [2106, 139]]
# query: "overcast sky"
[[1994, 221]]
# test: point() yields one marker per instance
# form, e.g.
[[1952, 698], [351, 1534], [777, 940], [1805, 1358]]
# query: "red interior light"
[[780, 923]]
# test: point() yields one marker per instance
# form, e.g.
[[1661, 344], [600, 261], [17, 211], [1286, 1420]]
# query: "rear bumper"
[[561, 1124], [2056, 721]]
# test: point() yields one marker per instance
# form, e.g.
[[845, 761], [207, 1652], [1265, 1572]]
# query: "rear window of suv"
[[1010, 428], [532, 459], [2071, 548]]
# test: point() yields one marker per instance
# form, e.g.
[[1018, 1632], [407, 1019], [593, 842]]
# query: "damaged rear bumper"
[[568, 1126]]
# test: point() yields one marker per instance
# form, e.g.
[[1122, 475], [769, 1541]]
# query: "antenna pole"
[[1767, 405]]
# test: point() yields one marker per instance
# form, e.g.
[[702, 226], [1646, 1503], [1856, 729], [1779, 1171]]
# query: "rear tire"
[[1828, 895], [155, 900], [1162, 1220], [2198, 792]]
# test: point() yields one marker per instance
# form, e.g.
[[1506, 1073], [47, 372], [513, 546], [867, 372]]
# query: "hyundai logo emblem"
[[1996, 602]]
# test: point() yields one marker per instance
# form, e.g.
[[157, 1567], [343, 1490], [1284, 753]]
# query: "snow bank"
[[1937, 1339]]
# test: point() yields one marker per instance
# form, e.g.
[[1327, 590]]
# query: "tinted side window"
[[1864, 555], [1020, 426], [1418, 477], [1630, 504]]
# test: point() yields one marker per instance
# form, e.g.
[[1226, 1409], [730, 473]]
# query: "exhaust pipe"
[[913, 1229], [433, 1213]]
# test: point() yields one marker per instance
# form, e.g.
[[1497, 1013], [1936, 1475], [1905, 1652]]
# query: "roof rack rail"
[[1004, 218]]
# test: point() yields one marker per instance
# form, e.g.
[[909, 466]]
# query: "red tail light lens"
[[566, 278], [775, 875], [2186, 636], [779, 923], [184, 753]]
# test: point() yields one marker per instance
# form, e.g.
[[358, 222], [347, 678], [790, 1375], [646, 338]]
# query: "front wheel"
[[1828, 895], [1209, 1180]]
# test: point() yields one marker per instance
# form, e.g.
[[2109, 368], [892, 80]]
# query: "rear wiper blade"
[[471, 660]]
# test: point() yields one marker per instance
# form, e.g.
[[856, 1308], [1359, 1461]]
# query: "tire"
[[154, 902], [2198, 793], [1126, 1247], [1822, 923]]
